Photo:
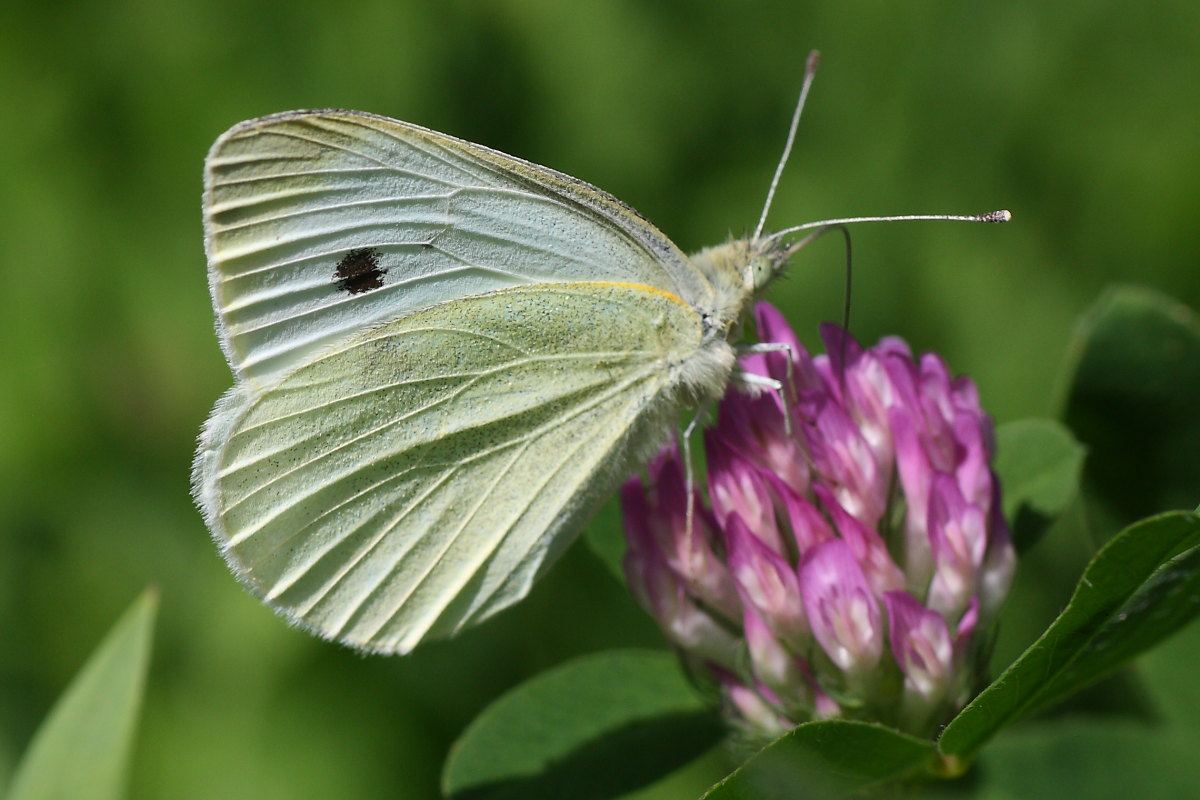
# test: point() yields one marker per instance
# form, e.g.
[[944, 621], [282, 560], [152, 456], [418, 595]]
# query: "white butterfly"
[[445, 359]]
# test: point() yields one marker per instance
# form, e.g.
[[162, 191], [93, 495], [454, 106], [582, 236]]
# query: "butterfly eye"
[[760, 271]]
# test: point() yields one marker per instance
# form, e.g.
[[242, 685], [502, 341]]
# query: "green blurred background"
[[1083, 119]]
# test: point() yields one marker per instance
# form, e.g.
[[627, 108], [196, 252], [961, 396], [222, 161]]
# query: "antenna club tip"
[[1002, 215], [814, 60]]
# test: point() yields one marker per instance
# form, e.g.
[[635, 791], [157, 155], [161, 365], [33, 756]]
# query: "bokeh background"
[[1082, 118]]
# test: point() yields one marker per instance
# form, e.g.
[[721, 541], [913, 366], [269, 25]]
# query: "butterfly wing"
[[321, 224], [417, 477]]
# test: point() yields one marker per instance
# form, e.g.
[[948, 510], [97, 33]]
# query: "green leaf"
[[597, 727], [1133, 403], [826, 759], [1039, 464], [1141, 587], [82, 749]]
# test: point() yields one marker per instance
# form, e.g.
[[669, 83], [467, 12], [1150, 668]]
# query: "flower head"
[[850, 546]]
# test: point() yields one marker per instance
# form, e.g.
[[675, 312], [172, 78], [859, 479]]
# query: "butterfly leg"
[[750, 379], [689, 476]]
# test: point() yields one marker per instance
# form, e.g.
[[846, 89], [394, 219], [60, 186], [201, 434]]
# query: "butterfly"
[[445, 359]]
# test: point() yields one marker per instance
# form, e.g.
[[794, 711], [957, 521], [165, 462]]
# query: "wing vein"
[[322, 456], [524, 439], [483, 553]]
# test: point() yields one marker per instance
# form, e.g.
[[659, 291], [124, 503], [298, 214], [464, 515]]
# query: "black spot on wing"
[[359, 271]]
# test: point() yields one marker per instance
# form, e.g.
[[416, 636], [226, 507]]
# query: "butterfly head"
[[739, 271]]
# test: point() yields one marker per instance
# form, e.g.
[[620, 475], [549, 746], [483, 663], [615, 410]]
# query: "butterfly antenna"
[[810, 72], [825, 225]]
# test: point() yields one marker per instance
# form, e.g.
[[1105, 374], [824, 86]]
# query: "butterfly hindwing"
[[417, 477]]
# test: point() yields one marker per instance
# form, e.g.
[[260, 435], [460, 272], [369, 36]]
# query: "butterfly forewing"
[[322, 224], [417, 477]]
